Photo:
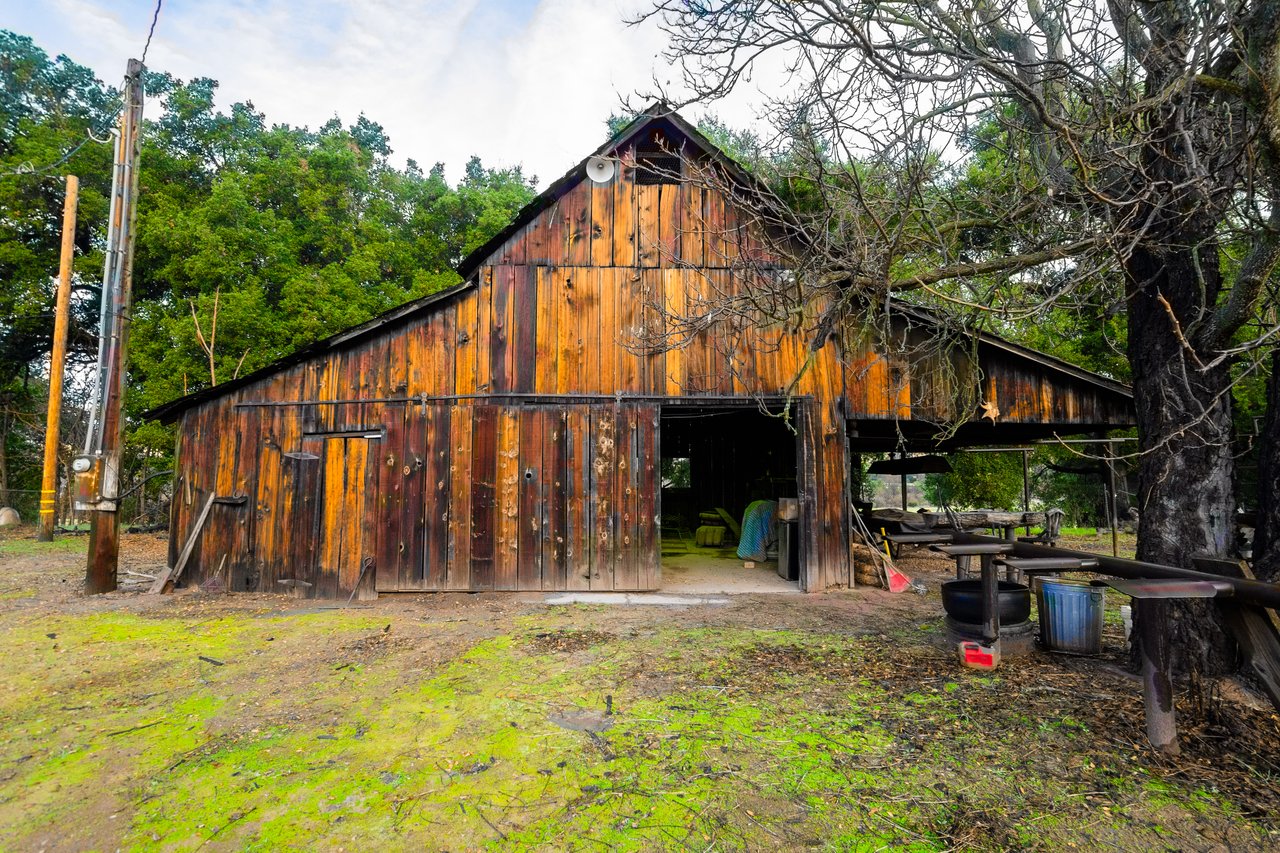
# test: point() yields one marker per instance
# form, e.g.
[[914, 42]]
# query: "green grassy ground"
[[831, 722]]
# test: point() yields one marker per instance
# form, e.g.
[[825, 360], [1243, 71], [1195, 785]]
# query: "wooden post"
[[1115, 510], [104, 526], [62, 306], [1026, 486], [1157, 690], [990, 599]]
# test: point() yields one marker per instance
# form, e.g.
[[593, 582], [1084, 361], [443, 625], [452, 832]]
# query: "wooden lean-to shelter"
[[508, 433]]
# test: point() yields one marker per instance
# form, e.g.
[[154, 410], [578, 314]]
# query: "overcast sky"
[[515, 81]]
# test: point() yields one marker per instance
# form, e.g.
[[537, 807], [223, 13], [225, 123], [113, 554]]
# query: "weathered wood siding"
[[463, 488]]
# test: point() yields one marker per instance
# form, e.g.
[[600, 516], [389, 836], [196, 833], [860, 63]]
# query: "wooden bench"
[[1017, 568], [897, 540]]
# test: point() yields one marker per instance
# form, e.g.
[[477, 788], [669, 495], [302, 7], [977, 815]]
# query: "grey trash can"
[[1070, 615]]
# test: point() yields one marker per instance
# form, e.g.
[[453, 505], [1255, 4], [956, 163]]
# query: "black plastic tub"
[[963, 601]]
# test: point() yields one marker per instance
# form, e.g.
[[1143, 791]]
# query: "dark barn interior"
[[735, 456]]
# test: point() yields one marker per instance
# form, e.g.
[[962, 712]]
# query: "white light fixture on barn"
[[600, 169]]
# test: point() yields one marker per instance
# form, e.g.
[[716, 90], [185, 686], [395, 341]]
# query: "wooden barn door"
[[348, 534], [412, 508]]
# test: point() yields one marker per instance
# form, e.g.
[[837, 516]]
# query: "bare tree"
[[994, 159]]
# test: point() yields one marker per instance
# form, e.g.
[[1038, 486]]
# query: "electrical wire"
[[28, 168], [155, 17]]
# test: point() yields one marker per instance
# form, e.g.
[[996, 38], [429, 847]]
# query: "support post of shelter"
[[1157, 690], [62, 307], [1026, 485], [1114, 510]]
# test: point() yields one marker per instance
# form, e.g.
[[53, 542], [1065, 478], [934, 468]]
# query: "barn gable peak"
[[657, 135]]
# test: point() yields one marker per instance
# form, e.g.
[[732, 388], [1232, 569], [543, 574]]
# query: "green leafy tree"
[[978, 481]]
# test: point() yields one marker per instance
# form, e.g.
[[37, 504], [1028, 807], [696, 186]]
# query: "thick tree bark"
[[1266, 540], [1185, 496]]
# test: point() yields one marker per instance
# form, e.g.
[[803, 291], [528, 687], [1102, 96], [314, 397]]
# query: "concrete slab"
[[640, 599], [713, 571]]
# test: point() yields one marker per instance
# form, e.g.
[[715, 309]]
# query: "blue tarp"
[[757, 530]]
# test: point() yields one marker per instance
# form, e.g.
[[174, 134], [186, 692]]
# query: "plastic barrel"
[[1070, 616]]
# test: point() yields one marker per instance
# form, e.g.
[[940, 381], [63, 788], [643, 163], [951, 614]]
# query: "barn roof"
[[655, 113]]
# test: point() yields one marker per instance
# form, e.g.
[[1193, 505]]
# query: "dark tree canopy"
[[292, 233], [1003, 161]]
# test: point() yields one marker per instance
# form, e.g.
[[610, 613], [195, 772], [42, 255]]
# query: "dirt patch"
[[785, 722], [567, 641]]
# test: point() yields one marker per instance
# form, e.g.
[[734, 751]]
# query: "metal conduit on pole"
[[62, 306], [98, 471]]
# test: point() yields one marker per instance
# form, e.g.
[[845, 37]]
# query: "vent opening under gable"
[[659, 158]]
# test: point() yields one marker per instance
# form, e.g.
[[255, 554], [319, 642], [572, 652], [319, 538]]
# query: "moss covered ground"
[[838, 722]]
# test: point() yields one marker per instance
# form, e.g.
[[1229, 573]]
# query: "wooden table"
[[986, 552], [1009, 522]]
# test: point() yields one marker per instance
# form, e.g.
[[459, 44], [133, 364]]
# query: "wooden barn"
[[509, 433]]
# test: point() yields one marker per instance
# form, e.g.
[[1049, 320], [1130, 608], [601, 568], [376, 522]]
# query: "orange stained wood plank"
[[523, 358], [268, 498], [507, 542], [555, 535], [576, 204], [444, 334], [650, 544], [649, 290], [586, 284], [397, 362], [548, 350], [565, 340], [674, 286], [629, 325], [700, 358], [604, 283], [484, 331], [539, 238], [436, 483], [626, 566], [459, 571], [227, 442], [354, 511], [624, 220], [648, 232], [601, 229], [669, 224], [602, 494], [578, 525], [391, 489], [501, 341], [692, 226], [534, 488], [514, 251], [333, 512], [465, 352], [717, 230]]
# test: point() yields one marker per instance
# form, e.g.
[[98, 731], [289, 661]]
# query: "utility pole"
[[62, 306], [98, 470]]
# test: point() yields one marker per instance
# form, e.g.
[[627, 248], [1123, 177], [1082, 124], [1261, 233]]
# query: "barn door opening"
[[717, 463]]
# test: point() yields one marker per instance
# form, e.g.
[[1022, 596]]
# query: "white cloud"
[[514, 82]]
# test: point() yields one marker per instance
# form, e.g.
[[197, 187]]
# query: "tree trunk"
[[1185, 496], [1266, 538]]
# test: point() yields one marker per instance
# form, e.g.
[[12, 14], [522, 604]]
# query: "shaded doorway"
[[716, 461]]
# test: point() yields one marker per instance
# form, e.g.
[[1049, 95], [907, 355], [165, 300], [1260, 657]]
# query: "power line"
[[151, 31], [28, 168]]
